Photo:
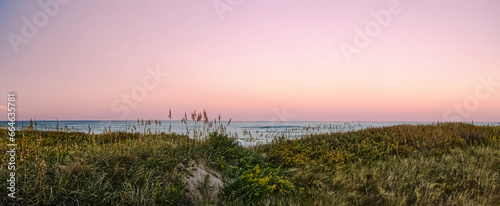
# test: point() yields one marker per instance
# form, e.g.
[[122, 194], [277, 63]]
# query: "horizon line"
[[163, 120]]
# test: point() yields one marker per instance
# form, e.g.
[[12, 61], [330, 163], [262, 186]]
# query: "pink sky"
[[262, 56]]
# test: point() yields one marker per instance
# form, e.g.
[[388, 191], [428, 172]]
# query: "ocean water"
[[246, 133]]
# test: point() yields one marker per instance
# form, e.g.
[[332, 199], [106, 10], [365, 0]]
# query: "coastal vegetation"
[[437, 164]]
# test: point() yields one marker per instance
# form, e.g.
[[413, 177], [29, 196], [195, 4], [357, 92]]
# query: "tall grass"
[[444, 164], [111, 168]]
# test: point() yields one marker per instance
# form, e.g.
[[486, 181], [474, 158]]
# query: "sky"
[[250, 60]]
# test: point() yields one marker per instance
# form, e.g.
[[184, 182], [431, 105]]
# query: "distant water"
[[246, 132]]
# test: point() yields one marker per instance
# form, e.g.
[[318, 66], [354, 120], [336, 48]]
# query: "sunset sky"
[[252, 60]]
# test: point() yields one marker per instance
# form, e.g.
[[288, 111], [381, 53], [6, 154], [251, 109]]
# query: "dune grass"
[[439, 164]]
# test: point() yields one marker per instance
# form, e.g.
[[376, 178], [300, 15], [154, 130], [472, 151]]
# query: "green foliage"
[[221, 151], [58, 168], [173, 194], [249, 178], [331, 151], [255, 184], [439, 164]]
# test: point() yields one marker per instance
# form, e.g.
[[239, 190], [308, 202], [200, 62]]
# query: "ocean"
[[246, 133]]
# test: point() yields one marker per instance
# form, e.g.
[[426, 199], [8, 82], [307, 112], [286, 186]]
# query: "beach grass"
[[438, 164]]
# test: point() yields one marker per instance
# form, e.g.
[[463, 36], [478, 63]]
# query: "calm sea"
[[246, 132]]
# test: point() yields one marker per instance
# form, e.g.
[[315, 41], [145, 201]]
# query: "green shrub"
[[256, 183]]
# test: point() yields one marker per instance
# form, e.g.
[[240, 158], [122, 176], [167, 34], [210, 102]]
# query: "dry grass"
[[440, 164]]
